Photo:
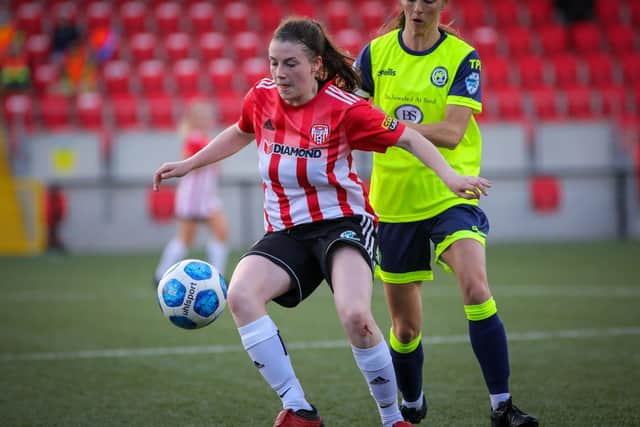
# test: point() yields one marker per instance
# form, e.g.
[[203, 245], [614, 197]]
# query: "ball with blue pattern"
[[192, 294]]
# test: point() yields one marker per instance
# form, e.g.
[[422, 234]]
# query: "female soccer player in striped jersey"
[[428, 78], [197, 199], [318, 221]]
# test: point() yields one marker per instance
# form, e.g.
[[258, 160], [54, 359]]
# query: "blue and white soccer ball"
[[192, 294]]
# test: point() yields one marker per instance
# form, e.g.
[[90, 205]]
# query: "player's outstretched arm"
[[467, 187], [226, 143]]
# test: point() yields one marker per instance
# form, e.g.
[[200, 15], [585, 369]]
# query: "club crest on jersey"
[[472, 82], [439, 76], [319, 133], [389, 123]]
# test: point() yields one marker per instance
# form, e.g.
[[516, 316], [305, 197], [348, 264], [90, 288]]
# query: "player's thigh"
[[351, 278], [259, 279]]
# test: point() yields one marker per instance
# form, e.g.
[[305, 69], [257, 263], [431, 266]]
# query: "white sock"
[[267, 351], [218, 253], [416, 405], [174, 251], [497, 398], [377, 368]]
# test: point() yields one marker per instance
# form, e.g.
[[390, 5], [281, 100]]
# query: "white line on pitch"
[[309, 345]]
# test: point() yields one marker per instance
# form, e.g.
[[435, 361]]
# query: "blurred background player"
[[430, 79], [197, 198], [319, 224]]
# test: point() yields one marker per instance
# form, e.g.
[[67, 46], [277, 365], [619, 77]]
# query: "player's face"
[[293, 71], [422, 13]]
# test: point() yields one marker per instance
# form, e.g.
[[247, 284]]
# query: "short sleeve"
[[466, 87], [246, 116], [369, 129], [363, 66]]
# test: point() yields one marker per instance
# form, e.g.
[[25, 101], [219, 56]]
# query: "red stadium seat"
[[545, 194], [18, 111], [613, 100], [631, 68], [221, 74], [161, 112], [142, 47], [161, 203], [620, 39], [485, 40], [45, 78], [338, 14], [496, 72], [99, 14], [30, 18], [211, 46], [372, 15], [55, 111], [228, 106], [518, 41], [269, 16], [303, 8], [115, 76], [507, 13], [38, 47], [539, 12], [579, 103], [152, 77], [585, 37], [124, 110], [565, 70], [472, 16], [133, 16], [246, 45], [89, 107], [531, 71], [544, 104], [167, 16], [186, 75], [236, 17], [201, 17], [634, 9], [600, 69], [254, 69], [509, 104], [554, 39], [608, 12], [350, 40], [177, 46]]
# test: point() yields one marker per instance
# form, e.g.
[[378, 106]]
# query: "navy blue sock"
[[489, 342], [408, 367]]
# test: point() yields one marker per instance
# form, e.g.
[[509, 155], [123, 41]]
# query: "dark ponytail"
[[337, 65]]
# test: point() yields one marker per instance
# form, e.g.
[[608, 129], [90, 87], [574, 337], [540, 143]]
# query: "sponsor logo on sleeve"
[[389, 123]]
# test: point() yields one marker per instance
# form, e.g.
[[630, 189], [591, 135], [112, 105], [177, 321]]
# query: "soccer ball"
[[192, 294]]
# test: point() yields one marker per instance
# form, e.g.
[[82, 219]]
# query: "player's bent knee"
[[240, 299]]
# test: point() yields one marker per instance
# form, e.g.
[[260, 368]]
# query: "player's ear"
[[316, 65]]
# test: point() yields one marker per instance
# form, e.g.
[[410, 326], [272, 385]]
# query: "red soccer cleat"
[[299, 418], [403, 424]]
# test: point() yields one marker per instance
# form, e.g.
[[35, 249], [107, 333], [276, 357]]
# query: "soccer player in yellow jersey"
[[423, 74]]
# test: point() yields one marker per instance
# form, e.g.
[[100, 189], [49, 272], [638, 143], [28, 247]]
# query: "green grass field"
[[83, 343]]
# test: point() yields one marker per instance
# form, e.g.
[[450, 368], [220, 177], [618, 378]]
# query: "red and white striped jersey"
[[305, 160]]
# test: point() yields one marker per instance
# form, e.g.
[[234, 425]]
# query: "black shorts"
[[303, 252]]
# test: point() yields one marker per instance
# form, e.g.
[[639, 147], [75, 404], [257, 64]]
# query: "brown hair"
[[337, 65], [399, 21]]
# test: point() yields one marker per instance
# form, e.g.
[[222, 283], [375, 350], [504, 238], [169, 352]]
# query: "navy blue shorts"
[[405, 248], [304, 251]]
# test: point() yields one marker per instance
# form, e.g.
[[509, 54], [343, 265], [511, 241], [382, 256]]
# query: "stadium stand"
[[540, 73]]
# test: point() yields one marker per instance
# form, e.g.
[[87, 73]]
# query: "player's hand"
[[470, 187], [169, 170]]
